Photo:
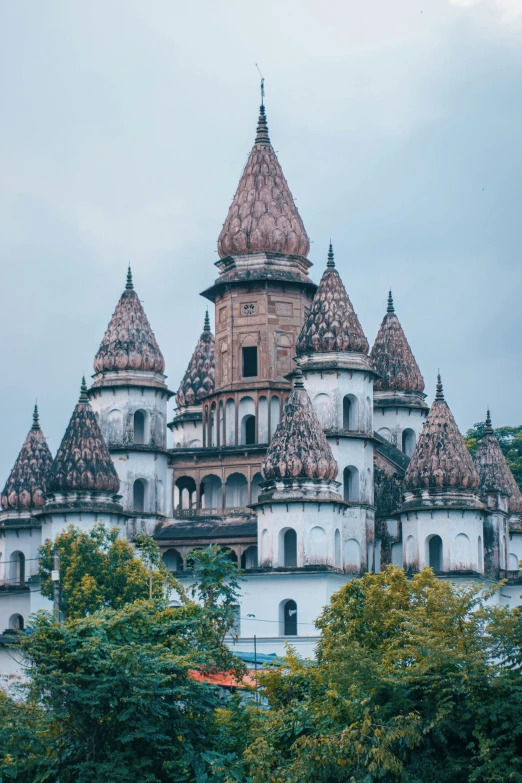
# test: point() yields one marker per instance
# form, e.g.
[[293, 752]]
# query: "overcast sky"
[[124, 127]]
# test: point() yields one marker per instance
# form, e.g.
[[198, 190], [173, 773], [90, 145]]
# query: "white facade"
[[399, 418]]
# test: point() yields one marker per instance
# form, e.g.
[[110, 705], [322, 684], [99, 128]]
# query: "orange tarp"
[[226, 679]]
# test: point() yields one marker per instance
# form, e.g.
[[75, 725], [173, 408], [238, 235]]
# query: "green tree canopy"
[[510, 441], [414, 681]]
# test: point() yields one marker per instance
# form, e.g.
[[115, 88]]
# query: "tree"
[[410, 677], [111, 696], [100, 569], [510, 441]]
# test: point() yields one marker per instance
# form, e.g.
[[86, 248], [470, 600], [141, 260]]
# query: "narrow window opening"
[[290, 618], [249, 362], [290, 548]]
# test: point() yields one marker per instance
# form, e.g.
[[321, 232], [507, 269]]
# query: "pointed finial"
[[489, 428], [130, 285], [298, 379], [83, 392], [330, 263], [36, 418], [206, 325], [262, 136], [439, 394], [390, 308]]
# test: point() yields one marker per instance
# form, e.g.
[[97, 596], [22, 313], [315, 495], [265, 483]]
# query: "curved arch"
[[255, 486], [185, 493], [140, 495], [236, 491], [323, 407], [410, 551], [462, 552], [211, 491], [385, 433], [514, 564], [288, 547], [172, 560], [288, 617], [317, 545], [230, 425], [248, 430], [17, 571], [351, 491], [350, 412], [434, 550], [249, 558], [115, 426], [409, 439], [141, 427], [16, 622], [230, 553], [337, 549], [352, 555]]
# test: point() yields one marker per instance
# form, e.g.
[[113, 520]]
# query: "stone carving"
[[441, 458], [27, 483], [83, 461], [263, 216], [331, 324], [299, 448], [392, 357], [129, 342]]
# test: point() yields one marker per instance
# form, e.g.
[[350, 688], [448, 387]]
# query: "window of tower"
[[16, 622], [408, 441], [249, 558], [249, 361], [435, 552], [350, 412], [17, 568], [288, 547], [172, 560], [141, 433], [288, 618], [351, 484], [248, 430], [139, 495]]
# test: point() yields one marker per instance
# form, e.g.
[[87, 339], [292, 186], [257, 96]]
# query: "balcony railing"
[[188, 513]]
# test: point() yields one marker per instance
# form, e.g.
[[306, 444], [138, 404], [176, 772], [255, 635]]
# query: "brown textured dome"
[[331, 324], [198, 380], [494, 472], [392, 357], [27, 483], [440, 458], [299, 448], [263, 216], [129, 342], [83, 461]]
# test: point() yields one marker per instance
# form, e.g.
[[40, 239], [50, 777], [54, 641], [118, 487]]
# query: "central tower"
[[261, 297]]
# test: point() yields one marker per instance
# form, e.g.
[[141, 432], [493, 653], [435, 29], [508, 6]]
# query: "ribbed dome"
[[129, 342], [263, 216], [198, 380], [299, 448], [331, 324], [494, 472], [392, 357], [83, 461], [27, 483], [441, 458]]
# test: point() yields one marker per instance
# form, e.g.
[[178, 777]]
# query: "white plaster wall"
[[334, 385], [55, 523], [358, 453], [26, 541], [396, 420], [448, 525], [515, 546], [129, 400], [148, 465], [188, 434]]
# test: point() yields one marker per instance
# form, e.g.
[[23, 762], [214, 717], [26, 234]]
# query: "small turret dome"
[[392, 357], [494, 472], [129, 342], [198, 380], [27, 483], [299, 448]]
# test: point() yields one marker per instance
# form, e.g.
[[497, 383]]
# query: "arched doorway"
[[435, 553]]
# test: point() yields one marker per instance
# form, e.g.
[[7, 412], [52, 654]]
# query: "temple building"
[[308, 457]]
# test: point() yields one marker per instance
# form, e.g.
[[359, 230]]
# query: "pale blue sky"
[[124, 128]]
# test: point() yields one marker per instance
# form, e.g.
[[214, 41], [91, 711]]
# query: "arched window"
[[351, 484], [385, 433], [185, 495], [17, 568], [249, 558], [248, 430], [115, 421], [317, 545], [513, 562], [262, 435], [16, 622], [462, 552], [255, 486], [408, 441], [480, 559], [230, 425], [288, 618], [288, 547], [352, 555], [236, 491], [211, 492], [141, 427], [173, 560], [350, 412], [337, 549], [274, 414], [410, 551], [139, 495], [435, 552], [230, 554]]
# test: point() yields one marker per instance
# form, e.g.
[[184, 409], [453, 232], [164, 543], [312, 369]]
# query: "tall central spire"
[[263, 217]]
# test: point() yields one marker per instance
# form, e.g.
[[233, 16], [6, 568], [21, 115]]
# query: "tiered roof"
[[440, 459], [392, 357], [129, 342], [331, 324], [263, 216], [494, 472], [199, 377], [27, 483], [299, 448], [83, 461]]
